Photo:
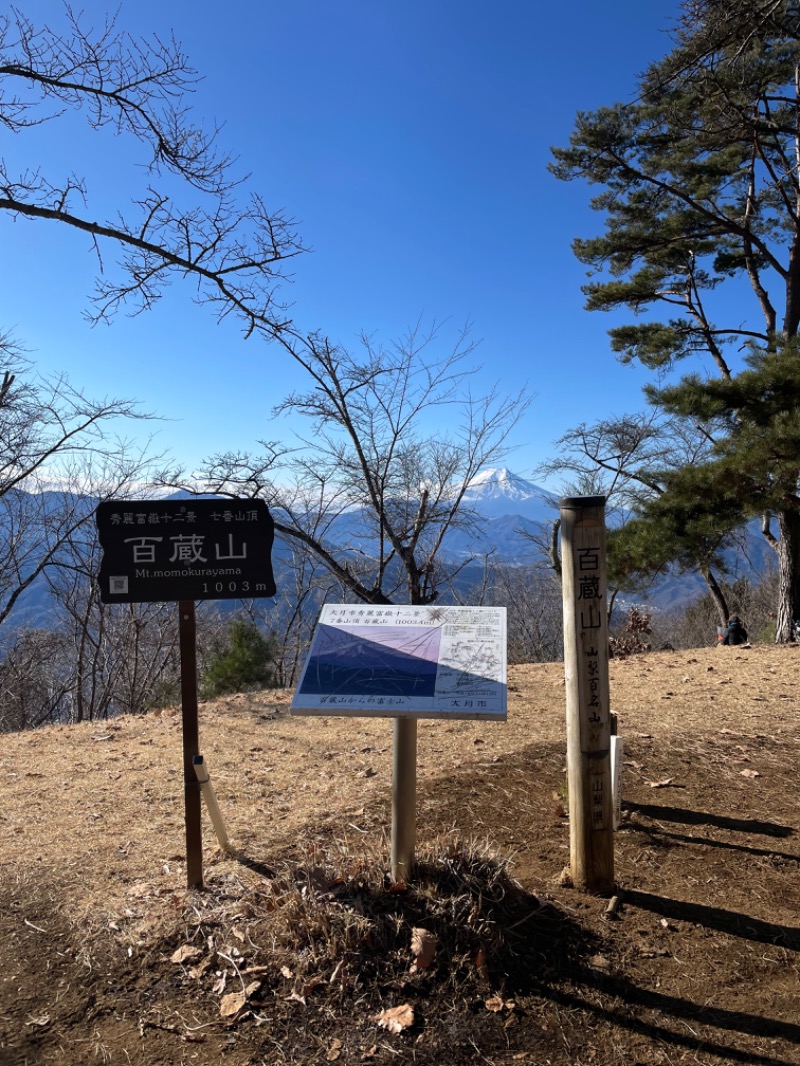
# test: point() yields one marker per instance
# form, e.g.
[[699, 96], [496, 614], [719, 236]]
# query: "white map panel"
[[425, 662]]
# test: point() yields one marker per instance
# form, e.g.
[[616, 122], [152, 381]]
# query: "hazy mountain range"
[[513, 507], [510, 511]]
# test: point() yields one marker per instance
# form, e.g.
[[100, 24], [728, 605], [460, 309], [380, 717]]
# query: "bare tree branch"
[[236, 252], [376, 491]]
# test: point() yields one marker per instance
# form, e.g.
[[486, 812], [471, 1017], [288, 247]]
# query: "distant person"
[[735, 633]]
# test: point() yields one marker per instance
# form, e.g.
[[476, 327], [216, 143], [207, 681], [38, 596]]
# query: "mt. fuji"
[[507, 507], [498, 492]]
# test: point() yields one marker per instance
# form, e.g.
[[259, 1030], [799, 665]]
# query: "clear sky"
[[410, 141]]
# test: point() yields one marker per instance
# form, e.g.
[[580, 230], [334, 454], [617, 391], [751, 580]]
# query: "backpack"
[[736, 634]]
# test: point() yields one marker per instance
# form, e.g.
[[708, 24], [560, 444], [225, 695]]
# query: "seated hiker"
[[735, 633]]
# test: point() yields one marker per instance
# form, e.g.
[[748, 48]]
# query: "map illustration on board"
[[428, 662]]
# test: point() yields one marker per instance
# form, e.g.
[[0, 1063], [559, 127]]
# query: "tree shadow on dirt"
[[731, 922], [493, 936], [719, 821], [540, 951], [656, 835], [480, 908], [614, 998], [625, 997]]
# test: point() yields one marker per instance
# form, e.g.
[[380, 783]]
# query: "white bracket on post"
[[207, 790]]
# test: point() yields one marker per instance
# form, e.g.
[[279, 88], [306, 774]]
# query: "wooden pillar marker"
[[591, 814]]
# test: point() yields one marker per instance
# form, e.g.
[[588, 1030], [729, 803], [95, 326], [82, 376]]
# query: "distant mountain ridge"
[[514, 517], [515, 510]]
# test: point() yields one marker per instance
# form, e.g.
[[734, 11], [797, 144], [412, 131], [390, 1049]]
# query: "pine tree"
[[701, 198], [245, 661]]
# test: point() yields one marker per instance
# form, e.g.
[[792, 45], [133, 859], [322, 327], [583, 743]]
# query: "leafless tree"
[[378, 447], [31, 691], [380, 484], [92, 661], [57, 454], [191, 217], [120, 659], [532, 598], [306, 585], [624, 458]]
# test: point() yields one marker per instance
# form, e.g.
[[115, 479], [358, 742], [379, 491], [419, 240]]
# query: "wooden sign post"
[[404, 798], [591, 814], [406, 662], [159, 551], [191, 743]]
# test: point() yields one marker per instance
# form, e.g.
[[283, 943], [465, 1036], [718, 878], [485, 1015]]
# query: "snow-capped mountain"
[[498, 492], [498, 508]]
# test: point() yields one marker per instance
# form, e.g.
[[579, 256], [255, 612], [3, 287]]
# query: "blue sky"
[[410, 141]]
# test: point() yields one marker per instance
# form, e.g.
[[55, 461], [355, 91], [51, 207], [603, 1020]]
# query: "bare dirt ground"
[[299, 946]]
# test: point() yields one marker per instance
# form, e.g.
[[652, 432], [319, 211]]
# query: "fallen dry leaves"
[[423, 948], [232, 1004], [396, 1019], [186, 953], [334, 1051], [495, 1004]]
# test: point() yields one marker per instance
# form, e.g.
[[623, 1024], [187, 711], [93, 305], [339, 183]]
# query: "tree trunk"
[[717, 595], [788, 576]]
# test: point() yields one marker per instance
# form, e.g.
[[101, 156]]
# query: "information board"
[[158, 551], [425, 662]]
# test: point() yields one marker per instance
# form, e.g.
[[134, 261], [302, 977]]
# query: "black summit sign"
[[157, 551]]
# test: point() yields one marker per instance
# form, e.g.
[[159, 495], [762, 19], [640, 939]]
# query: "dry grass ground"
[[298, 943]]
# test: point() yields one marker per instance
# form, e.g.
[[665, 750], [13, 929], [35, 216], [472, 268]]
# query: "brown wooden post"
[[591, 817], [404, 798], [187, 629]]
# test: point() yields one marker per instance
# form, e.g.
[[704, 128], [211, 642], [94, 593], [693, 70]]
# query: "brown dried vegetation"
[[300, 950]]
